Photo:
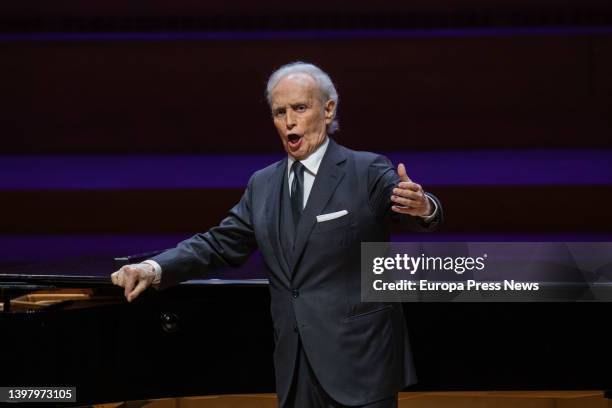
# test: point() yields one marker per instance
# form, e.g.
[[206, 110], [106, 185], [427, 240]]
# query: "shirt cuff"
[[433, 214], [157, 270]]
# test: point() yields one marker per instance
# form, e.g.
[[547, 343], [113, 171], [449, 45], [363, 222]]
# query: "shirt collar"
[[313, 161]]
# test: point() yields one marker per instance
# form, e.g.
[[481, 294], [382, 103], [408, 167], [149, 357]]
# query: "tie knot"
[[298, 168]]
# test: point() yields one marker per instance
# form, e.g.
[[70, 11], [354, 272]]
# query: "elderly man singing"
[[308, 214]]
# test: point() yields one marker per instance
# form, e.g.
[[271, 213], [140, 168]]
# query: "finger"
[[401, 171], [406, 202], [409, 185], [129, 281], [129, 286], [413, 195], [403, 210], [119, 277], [142, 285]]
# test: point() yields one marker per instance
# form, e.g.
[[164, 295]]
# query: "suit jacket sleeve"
[[382, 178], [228, 244]]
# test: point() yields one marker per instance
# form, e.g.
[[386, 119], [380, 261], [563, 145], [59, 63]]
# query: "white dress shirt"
[[311, 163]]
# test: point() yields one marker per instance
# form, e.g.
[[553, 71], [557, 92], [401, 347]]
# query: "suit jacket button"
[[295, 294], [295, 328]]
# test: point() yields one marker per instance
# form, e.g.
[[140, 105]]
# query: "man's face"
[[299, 115]]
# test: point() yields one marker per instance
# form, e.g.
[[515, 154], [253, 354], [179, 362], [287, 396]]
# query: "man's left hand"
[[408, 197]]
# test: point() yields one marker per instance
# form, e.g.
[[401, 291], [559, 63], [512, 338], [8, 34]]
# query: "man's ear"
[[330, 107]]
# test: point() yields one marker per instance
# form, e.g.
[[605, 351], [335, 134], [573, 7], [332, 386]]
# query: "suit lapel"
[[273, 210], [328, 177]]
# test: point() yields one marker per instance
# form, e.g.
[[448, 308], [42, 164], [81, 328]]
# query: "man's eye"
[[300, 108], [279, 112]]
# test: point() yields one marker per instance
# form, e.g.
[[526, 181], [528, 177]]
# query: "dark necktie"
[[297, 191]]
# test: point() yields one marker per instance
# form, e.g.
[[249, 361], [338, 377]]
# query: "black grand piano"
[[214, 336]]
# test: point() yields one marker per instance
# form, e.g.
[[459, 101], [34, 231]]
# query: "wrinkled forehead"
[[298, 87]]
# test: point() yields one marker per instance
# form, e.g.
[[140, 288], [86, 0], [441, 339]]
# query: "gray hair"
[[326, 86]]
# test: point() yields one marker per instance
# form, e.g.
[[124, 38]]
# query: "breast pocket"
[[332, 225]]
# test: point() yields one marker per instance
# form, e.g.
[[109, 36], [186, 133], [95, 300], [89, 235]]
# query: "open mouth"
[[294, 140]]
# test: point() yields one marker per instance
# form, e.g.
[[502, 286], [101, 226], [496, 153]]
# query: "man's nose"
[[290, 120]]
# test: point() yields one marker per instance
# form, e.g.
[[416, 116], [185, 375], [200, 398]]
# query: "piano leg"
[[6, 301]]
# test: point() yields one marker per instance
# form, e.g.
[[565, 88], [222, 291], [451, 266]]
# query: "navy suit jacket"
[[358, 351]]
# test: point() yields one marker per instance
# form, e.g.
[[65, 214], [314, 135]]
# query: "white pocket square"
[[331, 216]]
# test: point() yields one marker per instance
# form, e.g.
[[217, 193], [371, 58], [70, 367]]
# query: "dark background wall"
[[396, 93], [525, 80]]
